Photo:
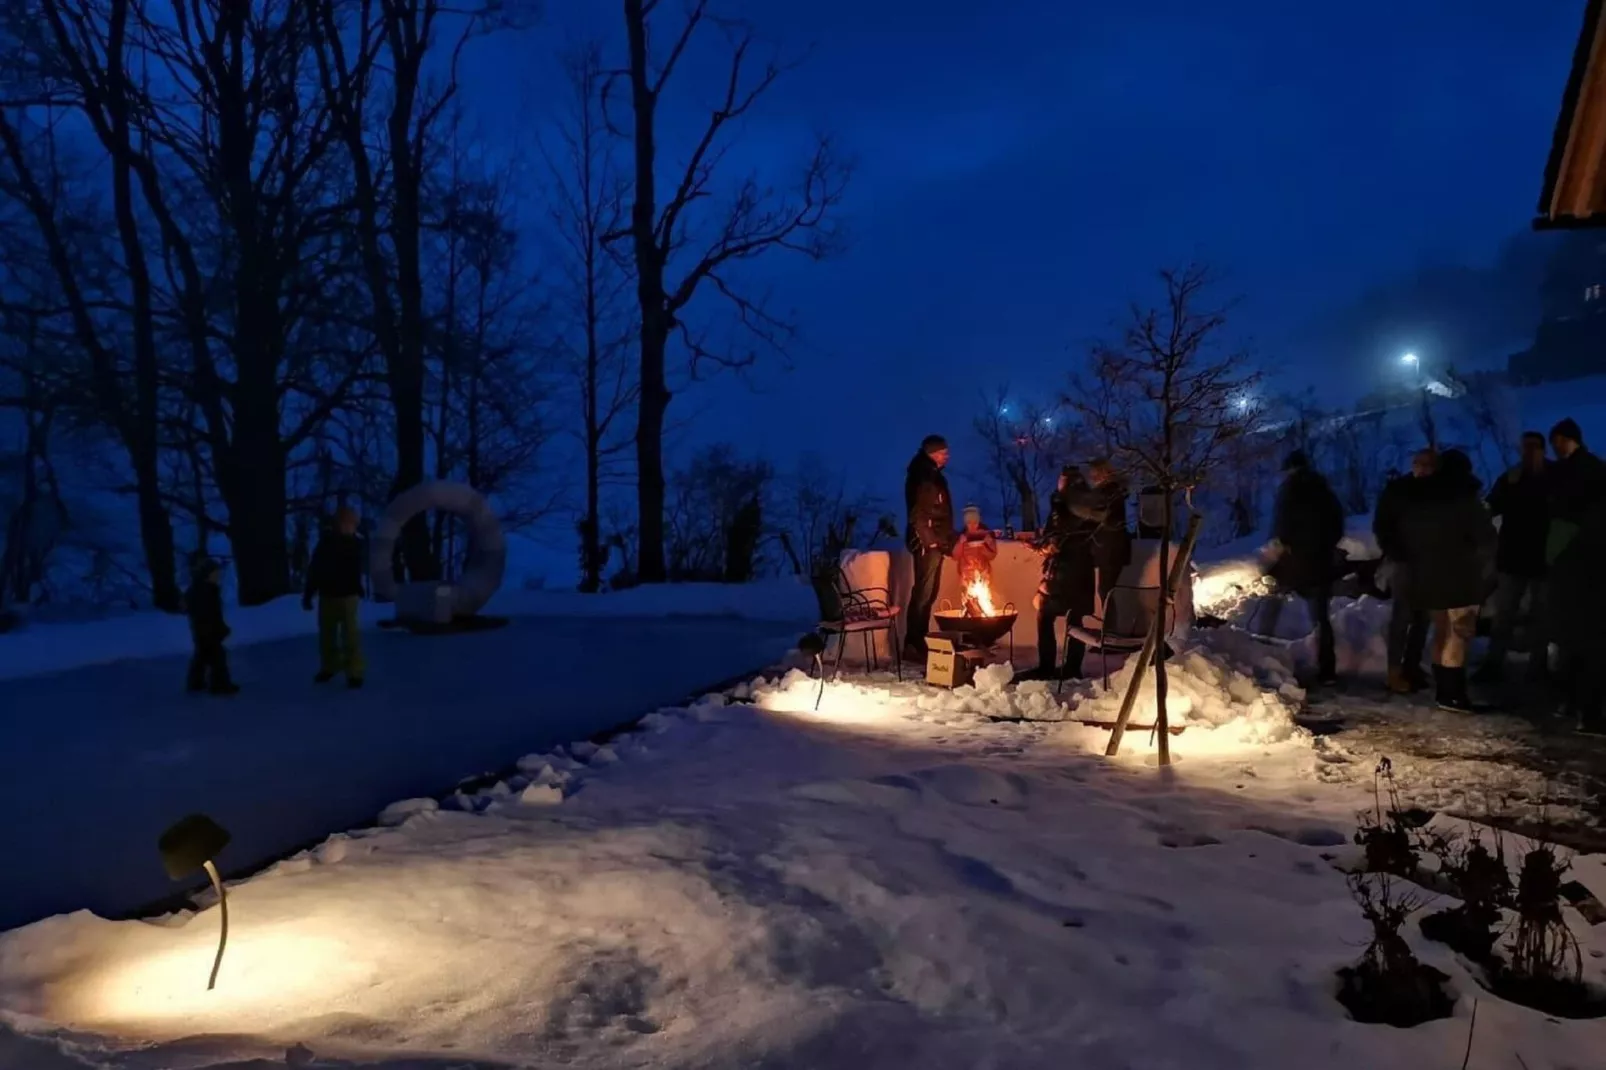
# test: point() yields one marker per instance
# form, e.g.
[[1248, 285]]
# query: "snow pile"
[[1221, 706], [1360, 637]]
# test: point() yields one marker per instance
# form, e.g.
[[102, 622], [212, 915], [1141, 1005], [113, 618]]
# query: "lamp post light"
[[190, 845]]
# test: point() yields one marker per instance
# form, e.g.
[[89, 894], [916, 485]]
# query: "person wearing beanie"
[[1308, 524], [1575, 552], [929, 535], [203, 603], [1449, 540]]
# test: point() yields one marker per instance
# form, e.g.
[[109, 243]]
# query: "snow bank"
[[1221, 707], [38, 649], [46, 648]]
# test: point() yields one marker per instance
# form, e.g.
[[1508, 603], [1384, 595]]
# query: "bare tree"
[[1170, 400], [756, 219], [1025, 445], [816, 517], [587, 205]]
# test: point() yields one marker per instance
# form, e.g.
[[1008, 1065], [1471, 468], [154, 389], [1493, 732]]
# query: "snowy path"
[[99, 760]]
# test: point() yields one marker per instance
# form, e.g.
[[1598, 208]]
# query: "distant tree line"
[[257, 252]]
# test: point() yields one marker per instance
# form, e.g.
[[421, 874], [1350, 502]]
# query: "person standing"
[[929, 535], [334, 579], [1066, 588], [203, 603], [1103, 504], [1408, 625], [1308, 526], [1520, 498], [1448, 538], [1575, 548]]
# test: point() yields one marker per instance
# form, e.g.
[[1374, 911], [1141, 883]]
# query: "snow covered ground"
[[99, 760], [52, 647], [896, 879]]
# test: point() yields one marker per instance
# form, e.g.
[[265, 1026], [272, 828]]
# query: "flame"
[[979, 597]]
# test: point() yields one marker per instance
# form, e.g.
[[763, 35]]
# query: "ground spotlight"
[[188, 846]]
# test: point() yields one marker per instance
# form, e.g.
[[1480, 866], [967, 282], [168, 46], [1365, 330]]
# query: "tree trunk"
[[650, 457]]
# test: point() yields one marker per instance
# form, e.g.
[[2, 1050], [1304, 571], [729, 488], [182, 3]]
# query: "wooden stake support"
[[1151, 644]]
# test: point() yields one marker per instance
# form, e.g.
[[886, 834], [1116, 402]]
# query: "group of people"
[[1084, 544], [334, 585], [1444, 558]]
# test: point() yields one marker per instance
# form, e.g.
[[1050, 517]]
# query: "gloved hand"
[[1037, 601]]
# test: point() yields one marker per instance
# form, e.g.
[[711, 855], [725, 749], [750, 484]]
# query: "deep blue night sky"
[[1025, 165]]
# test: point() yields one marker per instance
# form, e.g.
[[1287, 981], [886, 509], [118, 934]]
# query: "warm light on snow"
[[267, 967], [1219, 589]]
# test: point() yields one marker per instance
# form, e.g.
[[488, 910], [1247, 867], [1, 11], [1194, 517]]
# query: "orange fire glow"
[[979, 597]]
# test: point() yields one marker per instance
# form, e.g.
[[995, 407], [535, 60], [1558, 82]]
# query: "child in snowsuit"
[[334, 578], [209, 664], [974, 552]]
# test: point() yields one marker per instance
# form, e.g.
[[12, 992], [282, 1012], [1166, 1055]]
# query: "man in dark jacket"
[[1520, 499], [203, 602], [1575, 546], [929, 535], [335, 579], [1408, 624], [1448, 538], [1309, 524]]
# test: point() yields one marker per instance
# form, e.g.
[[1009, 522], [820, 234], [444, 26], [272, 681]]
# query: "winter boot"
[[1399, 683], [323, 677], [1451, 686], [227, 687]]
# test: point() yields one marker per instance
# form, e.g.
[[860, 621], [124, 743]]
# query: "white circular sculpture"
[[487, 549]]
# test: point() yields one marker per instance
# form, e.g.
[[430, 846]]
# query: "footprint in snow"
[[1187, 838]]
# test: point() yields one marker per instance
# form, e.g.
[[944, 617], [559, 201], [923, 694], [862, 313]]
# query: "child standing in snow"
[[975, 551], [334, 579], [209, 664]]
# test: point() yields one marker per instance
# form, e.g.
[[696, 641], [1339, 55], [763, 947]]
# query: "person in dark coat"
[[335, 580], [1103, 505], [1576, 553], [1308, 526], [203, 602], [1408, 625], [1520, 498], [1448, 539], [1576, 484], [929, 534], [1066, 588]]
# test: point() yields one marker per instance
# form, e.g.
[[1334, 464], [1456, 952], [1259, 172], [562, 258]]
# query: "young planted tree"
[[681, 245], [1169, 398], [588, 190]]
